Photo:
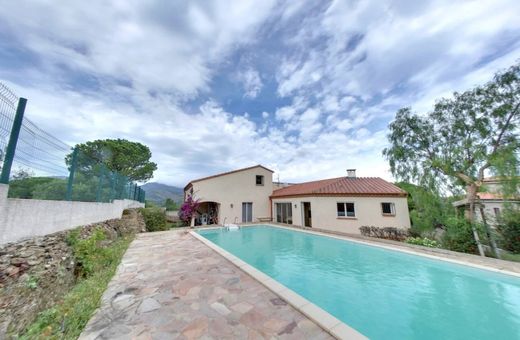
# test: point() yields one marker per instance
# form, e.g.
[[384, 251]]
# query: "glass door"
[[247, 212]]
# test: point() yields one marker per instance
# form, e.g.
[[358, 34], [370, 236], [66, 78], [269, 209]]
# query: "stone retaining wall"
[[36, 273]]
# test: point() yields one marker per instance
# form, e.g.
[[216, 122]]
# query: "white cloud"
[[163, 46], [251, 82], [338, 75]]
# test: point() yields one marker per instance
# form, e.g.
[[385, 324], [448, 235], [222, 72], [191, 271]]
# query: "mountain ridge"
[[159, 192]]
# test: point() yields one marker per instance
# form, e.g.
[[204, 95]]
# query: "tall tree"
[[130, 159], [462, 138]]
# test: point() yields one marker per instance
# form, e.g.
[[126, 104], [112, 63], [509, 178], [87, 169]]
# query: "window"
[[259, 180], [346, 209], [388, 208], [284, 213], [497, 213], [247, 212]]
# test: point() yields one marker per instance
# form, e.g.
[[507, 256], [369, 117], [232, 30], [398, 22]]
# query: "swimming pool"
[[383, 294]]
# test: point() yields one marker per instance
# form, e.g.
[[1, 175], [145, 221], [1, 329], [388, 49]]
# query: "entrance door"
[[307, 216], [247, 212]]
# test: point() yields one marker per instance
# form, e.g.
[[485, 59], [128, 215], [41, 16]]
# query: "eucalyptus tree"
[[462, 138]]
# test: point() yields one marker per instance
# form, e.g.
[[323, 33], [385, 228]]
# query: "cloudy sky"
[[304, 88]]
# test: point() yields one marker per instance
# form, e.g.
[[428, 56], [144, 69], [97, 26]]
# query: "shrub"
[[89, 254], [426, 242], [390, 233], [509, 228], [188, 209], [459, 236], [154, 219]]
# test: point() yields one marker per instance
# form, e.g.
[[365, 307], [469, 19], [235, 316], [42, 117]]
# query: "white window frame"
[[282, 215], [392, 209], [345, 207]]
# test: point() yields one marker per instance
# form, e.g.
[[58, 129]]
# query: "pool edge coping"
[[400, 249], [322, 318]]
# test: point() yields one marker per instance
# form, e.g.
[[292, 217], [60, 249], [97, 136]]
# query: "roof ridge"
[[342, 185], [226, 173]]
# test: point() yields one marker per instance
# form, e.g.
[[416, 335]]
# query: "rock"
[[196, 328], [12, 271], [220, 308], [34, 262], [18, 261], [123, 301], [148, 305], [278, 302], [232, 281]]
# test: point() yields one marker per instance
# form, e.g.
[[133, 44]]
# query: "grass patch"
[[177, 224], [510, 257], [97, 265]]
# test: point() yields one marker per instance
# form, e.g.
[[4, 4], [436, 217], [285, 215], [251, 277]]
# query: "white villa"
[[340, 204]]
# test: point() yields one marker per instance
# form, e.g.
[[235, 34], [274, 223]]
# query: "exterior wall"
[[368, 212], [232, 189], [21, 218], [489, 210]]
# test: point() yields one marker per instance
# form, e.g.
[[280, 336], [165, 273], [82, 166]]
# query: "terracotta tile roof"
[[359, 186], [489, 196], [226, 173], [495, 196]]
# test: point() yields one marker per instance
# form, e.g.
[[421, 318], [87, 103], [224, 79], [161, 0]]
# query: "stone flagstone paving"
[[169, 285]]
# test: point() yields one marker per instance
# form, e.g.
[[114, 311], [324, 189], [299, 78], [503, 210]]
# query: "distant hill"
[[158, 192]]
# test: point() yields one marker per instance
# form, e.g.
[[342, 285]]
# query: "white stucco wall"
[[22, 218], [234, 189], [368, 212], [489, 210]]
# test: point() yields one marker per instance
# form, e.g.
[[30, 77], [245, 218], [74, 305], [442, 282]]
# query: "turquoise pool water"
[[383, 294]]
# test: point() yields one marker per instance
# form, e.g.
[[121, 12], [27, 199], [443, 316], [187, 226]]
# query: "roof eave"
[[341, 195]]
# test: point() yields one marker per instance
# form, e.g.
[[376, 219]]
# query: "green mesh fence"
[[8, 102], [44, 167]]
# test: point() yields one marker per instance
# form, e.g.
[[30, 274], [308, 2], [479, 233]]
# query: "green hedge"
[[509, 228], [459, 236], [154, 218]]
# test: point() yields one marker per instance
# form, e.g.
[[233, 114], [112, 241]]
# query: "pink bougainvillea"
[[188, 209]]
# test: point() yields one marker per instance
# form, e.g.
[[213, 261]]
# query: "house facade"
[[339, 204], [342, 204], [238, 196], [492, 202]]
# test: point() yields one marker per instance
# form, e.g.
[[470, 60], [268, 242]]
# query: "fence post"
[[72, 171], [112, 186], [135, 192], [13, 140], [100, 184]]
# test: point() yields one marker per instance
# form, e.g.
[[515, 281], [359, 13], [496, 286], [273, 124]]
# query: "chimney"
[[351, 173]]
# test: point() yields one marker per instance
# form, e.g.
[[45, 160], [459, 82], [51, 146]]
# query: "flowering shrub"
[[188, 209], [426, 242]]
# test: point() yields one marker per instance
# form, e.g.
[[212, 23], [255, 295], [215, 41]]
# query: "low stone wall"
[[22, 218], [36, 273]]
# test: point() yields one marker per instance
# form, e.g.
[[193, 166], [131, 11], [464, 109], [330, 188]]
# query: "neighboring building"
[[340, 204], [492, 201]]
